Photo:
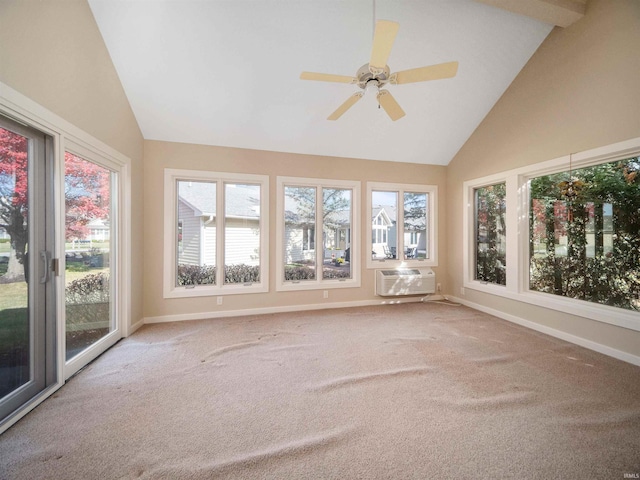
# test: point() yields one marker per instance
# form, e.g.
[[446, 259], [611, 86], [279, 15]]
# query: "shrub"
[[241, 273], [206, 274], [87, 302], [92, 288], [329, 273], [196, 274], [299, 273]]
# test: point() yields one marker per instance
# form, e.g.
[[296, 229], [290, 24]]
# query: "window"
[[490, 234], [566, 234], [317, 212], [211, 220], [586, 223], [413, 208]]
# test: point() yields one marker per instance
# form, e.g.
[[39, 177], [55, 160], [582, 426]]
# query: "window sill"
[[318, 285], [581, 308], [391, 263], [214, 291]]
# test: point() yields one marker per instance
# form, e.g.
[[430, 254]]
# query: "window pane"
[[299, 233], [196, 233], [241, 233], [585, 234], [490, 230], [415, 225], [384, 206], [15, 329], [336, 216], [88, 232]]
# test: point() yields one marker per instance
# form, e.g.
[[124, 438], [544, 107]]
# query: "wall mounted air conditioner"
[[405, 281]]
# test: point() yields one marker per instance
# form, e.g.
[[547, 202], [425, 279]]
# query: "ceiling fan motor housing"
[[365, 76]]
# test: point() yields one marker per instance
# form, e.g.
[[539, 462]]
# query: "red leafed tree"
[[86, 198], [87, 191]]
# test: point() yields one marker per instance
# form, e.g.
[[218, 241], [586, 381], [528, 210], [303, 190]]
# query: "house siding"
[[293, 246], [209, 243], [242, 242], [190, 254]]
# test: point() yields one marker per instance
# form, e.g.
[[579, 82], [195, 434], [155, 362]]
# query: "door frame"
[[40, 286], [90, 353], [65, 135]]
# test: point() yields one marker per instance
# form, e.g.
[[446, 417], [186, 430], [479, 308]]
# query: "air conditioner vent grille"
[[410, 281]]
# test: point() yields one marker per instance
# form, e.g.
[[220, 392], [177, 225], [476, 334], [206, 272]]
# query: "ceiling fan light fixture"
[[372, 85]]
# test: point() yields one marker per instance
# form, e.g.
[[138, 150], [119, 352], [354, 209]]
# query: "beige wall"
[[579, 91], [161, 155], [53, 53]]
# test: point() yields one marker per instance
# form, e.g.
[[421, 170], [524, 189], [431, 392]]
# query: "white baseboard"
[[135, 326], [583, 342], [281, 309]]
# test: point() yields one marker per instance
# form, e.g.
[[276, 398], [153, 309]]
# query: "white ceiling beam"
[[555, 12]]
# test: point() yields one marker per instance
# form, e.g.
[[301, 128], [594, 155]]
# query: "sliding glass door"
[[90, 259], [27, 301]]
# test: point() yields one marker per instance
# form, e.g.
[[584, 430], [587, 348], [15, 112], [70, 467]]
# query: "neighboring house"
[[383, 231], [197, 224], [300, 234], [384, 234], [98, 230]]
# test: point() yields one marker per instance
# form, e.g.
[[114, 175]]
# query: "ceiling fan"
[[376, 74]]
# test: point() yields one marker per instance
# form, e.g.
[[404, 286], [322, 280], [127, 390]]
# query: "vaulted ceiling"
[[226, 72]]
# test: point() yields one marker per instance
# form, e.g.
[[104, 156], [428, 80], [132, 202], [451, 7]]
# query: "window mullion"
[[517, 228], [400, 227], [220, 233], [319, 233]]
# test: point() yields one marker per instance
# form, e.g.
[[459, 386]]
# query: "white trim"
[[432, 220], [319, 283], [517, 217], [171, 176], [282, 309], [13, 418], [136, 326], [567, 337]]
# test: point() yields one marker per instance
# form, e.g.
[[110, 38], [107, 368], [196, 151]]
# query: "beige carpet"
[[424, 391]]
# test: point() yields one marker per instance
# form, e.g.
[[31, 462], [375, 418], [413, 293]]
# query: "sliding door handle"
[[45, 260]]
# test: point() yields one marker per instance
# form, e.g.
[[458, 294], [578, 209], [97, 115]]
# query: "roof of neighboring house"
[[390, 211], [240, 200], [415, 223]]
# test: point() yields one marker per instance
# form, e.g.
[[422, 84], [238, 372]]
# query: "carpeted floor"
[[424, 391]]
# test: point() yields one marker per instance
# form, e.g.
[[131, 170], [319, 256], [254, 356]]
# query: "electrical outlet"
[[219, 300], [325, 294], [439, 288]]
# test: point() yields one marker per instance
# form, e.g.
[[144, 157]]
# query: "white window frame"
[[171, 177], [318, 283], [517, 220], [432, 222]]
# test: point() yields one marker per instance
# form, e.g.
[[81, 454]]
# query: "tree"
[[86, 197], [490, 233], [13, 201], [606, 202]]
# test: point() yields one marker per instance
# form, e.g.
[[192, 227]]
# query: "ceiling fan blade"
[[422, 74], [390, 105], [351, 101], [327, 77], [383, 39]]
